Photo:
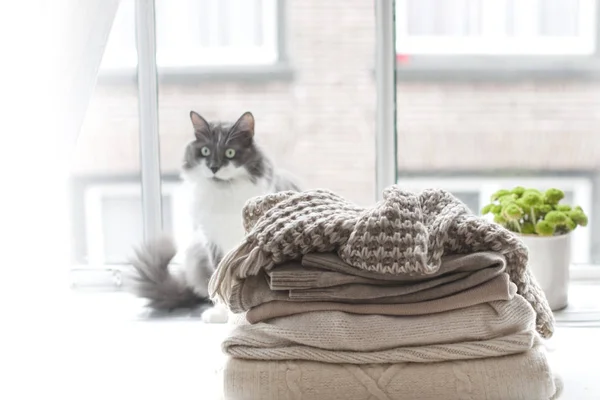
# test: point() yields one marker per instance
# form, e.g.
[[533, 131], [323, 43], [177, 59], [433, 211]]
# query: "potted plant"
[[545, 226]]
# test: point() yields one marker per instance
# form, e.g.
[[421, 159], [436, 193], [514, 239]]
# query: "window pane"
[[421, 17], [471, 199], [540, 27], [493, 135], [559, 17], [447, 18], [119, 236], [318, 124], [105, 170], [120, 50], [122, 227], [201, 33]]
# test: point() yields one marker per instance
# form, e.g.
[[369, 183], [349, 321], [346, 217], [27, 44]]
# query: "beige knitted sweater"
[[498, 288], [404, 233], [491, 329], [523, 376]]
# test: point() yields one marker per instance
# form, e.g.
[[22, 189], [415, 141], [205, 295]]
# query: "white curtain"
[[51, 51]]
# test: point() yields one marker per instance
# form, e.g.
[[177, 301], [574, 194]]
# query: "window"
[[467, 136], [495, 27], [475, 192], [113, 225], [192, 33], [293, 119]]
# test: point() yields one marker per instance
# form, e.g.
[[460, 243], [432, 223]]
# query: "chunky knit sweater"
[[404, 233]]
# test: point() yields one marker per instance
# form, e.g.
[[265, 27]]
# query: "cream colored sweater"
[[523, 376], [485, 330]]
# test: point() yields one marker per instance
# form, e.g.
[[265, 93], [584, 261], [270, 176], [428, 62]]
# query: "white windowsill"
[[117, 348], [583, 308]]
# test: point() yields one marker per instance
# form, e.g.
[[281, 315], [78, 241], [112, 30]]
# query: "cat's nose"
[[214, 169]]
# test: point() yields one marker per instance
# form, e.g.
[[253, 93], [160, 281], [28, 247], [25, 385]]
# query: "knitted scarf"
[[404, 233]]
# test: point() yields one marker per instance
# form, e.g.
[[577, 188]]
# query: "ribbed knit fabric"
[[523, 376], [485, 330], [413, 292], [499, 288], [336, 330], [323, 270], [460, 273], [474, 349], [404, 233]]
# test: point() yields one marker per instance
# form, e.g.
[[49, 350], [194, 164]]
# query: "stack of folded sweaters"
[[415, 298]]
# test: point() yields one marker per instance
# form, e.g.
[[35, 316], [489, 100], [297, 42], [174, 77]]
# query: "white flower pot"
[[549, 260]]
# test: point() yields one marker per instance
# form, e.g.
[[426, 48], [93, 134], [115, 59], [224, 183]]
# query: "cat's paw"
[[215, 315]]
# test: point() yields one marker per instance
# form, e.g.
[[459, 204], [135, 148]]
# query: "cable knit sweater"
[[404, 233], [523, 376]]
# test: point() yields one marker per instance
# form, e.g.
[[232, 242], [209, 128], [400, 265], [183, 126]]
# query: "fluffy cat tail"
[[153, 280]]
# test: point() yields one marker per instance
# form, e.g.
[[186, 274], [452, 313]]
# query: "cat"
[[223, 167]]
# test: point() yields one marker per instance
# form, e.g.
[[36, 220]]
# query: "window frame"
[[278, 69], [227, 57], [478, 67]]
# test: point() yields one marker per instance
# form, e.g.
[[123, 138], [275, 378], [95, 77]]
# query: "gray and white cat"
[[223, 167]]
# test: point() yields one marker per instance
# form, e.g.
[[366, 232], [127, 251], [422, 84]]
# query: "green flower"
[[578, 216], [532, 199], [498, 194], [544, 208], [530, 211], [519, 190], [528, 228], [512, 212], [544, 228], [556, 217], [522, 204], [507, 199], [562, 207], [533, 190], [553, 196], [570, 224]]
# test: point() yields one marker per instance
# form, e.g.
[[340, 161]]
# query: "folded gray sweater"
[[330, 282]]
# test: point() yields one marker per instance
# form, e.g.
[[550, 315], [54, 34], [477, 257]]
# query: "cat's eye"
[[205, 151], [230, 153]]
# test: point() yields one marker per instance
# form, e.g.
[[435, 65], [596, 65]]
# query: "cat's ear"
[[244, 125], [200, 124]]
